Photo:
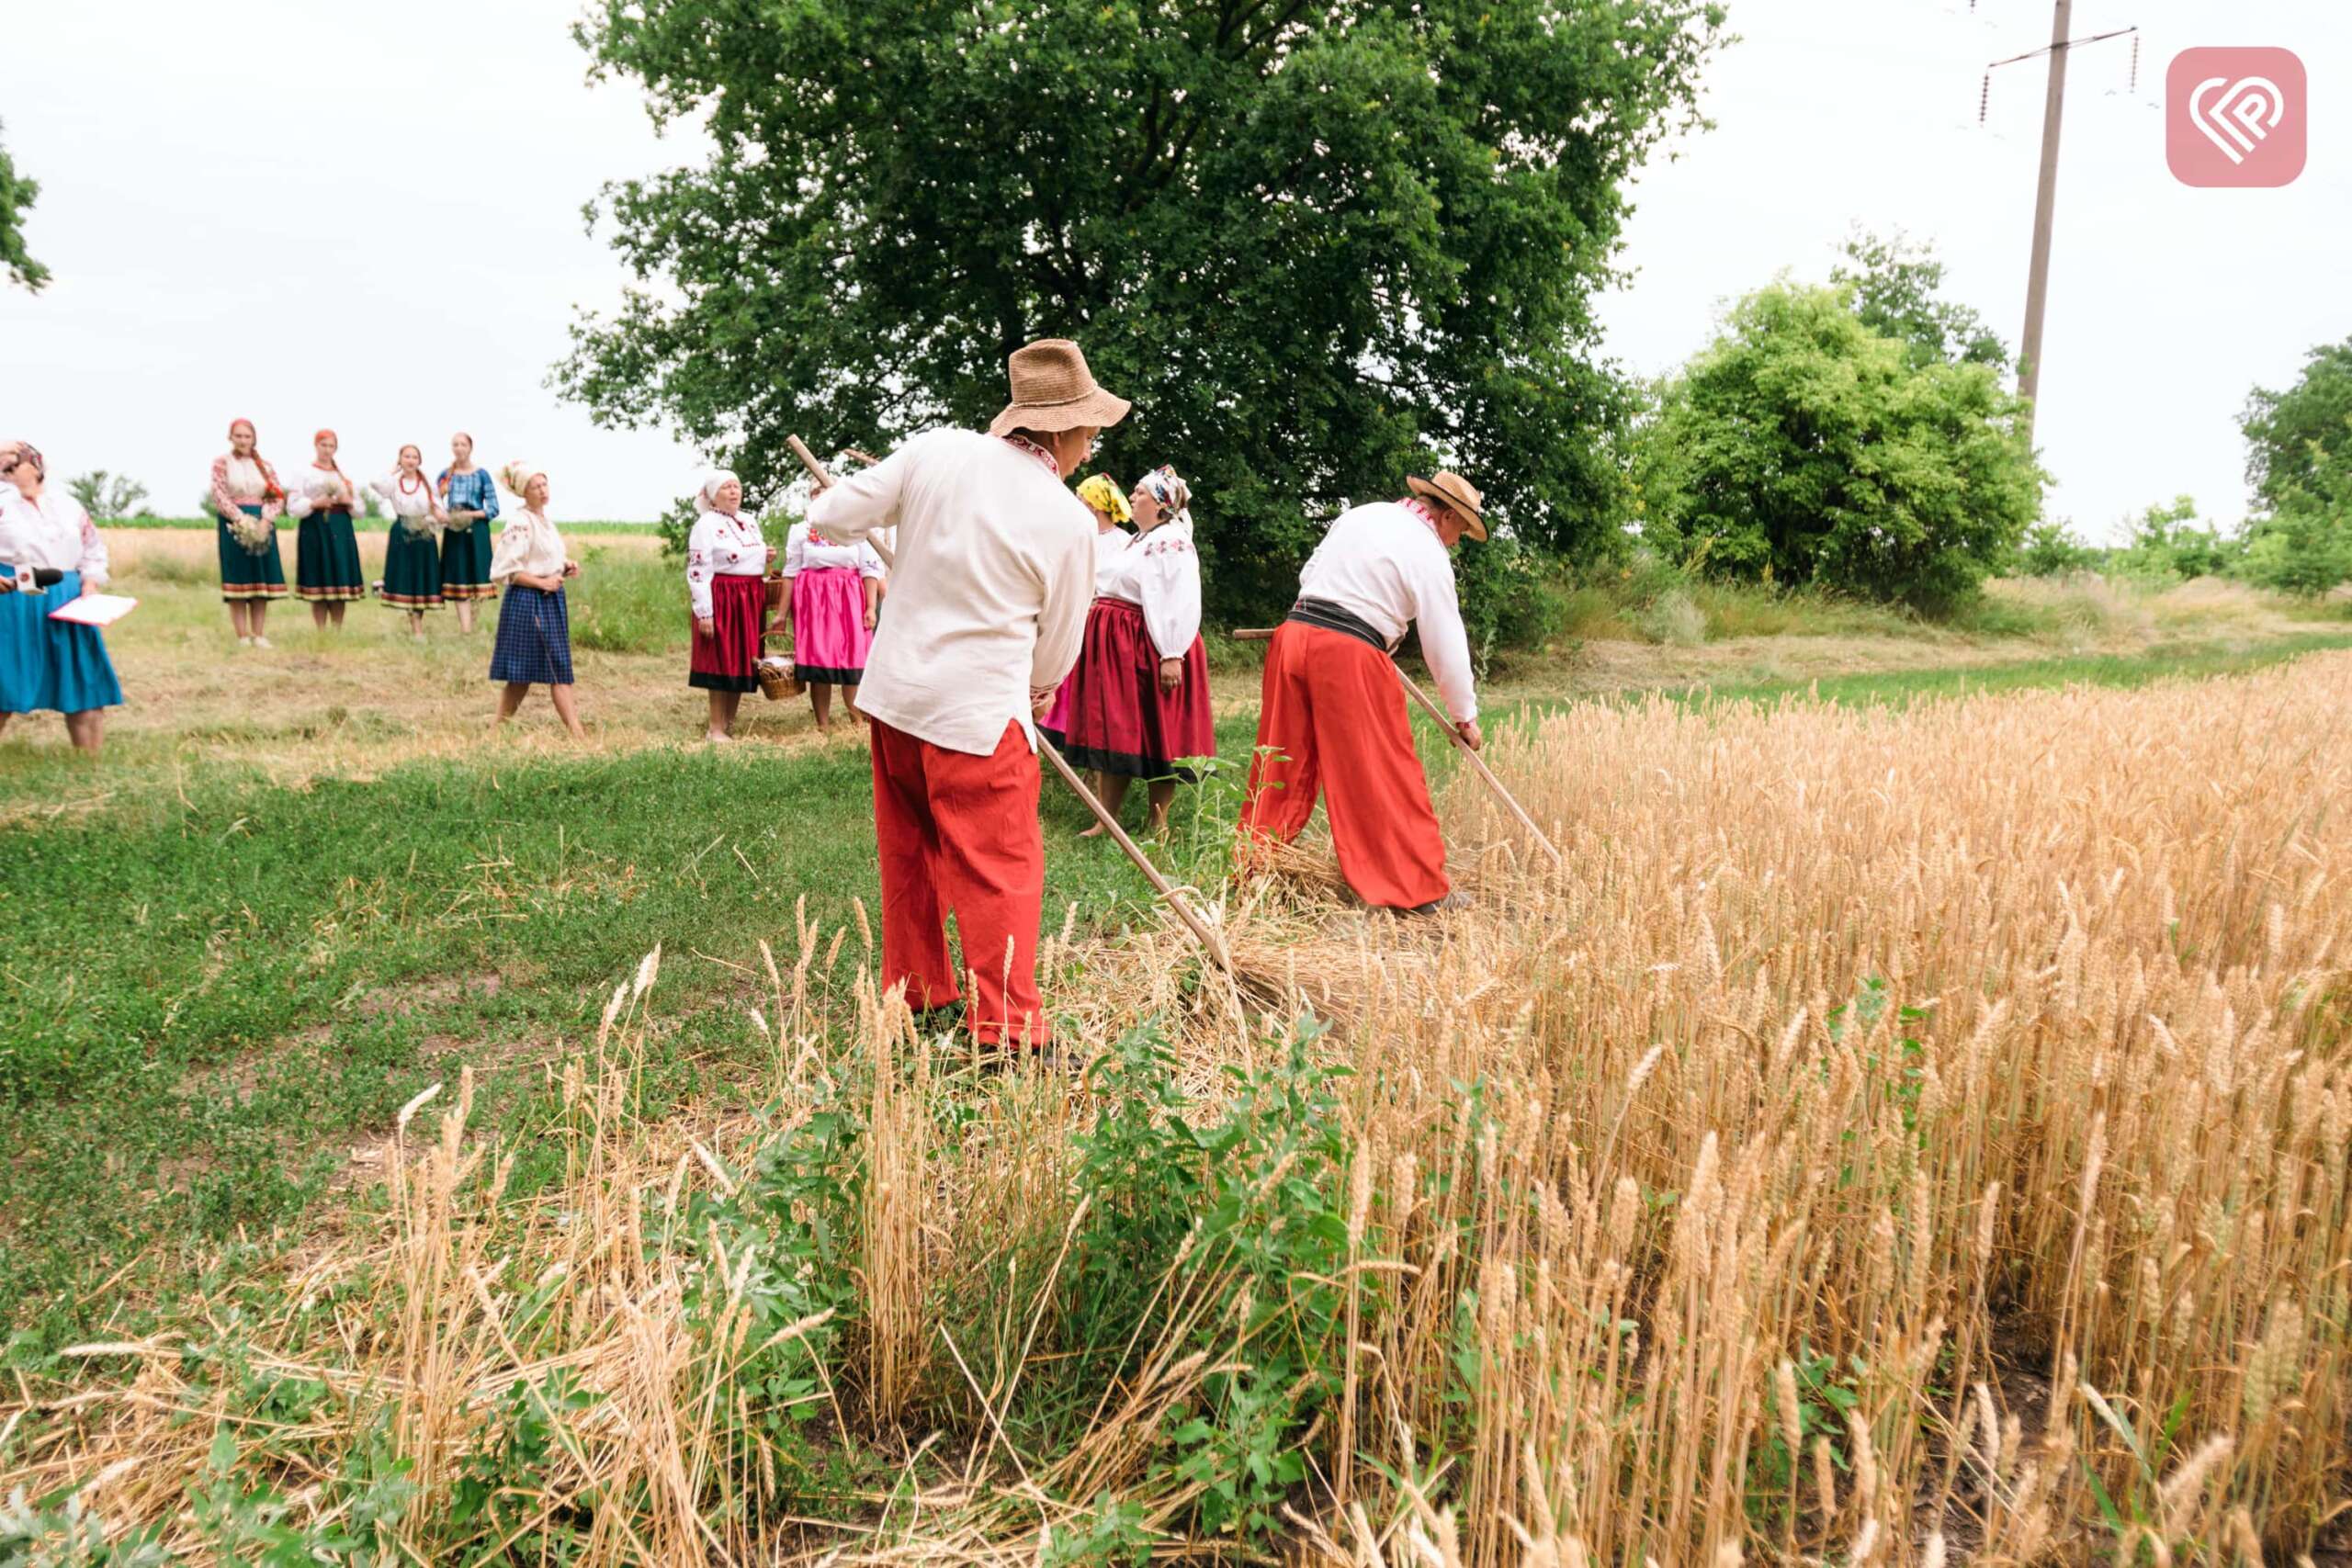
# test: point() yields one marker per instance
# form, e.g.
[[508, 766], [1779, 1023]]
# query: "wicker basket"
[[775, 586], [777, 679]]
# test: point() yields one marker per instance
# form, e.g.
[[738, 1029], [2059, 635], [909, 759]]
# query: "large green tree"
[[1802, 447], [16, 194], [1317, 244]]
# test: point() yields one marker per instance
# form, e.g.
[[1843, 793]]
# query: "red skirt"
[[1121, 719], [725, 660]]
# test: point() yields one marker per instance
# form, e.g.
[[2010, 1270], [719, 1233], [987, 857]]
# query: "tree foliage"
[[2299, 459], [2302, 438], [1802, 447], [1317, 246], [1898, 292], [105, 495], [16, 194]]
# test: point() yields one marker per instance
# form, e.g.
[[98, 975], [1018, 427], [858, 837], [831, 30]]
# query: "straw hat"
[[1449, 489], [1053, 390]]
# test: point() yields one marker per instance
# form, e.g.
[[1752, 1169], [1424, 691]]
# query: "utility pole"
[[2045, 203]]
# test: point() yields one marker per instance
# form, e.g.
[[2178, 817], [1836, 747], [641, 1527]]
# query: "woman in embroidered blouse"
[[727, 560], [411, 553], [472, 501], [246, 494], [50, 666], [533, 624], [836, 593], [1141, 707], [1101, 492], [326, 552]]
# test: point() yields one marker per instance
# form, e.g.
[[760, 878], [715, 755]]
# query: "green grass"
[[216, 988], [210, 1000]]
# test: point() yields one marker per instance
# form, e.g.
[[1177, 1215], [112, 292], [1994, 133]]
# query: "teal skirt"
[[51, 666], [326, 559], [244, 574], [465, 562], [412, 569]]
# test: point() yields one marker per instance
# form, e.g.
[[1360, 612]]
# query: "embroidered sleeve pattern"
[[222, 502]]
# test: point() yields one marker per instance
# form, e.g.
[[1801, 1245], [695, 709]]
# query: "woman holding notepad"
[[50, 555]]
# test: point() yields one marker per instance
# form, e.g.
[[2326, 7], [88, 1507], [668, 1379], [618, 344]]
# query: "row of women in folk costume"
[[833, 597], [437, 550], [990, 613], [51, 553]]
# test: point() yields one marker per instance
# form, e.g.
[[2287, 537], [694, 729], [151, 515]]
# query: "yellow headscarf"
[[1100, 491]]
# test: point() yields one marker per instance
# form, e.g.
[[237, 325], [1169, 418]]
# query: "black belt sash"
[[1337, 618]]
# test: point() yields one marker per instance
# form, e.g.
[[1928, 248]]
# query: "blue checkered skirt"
[[534, 638]]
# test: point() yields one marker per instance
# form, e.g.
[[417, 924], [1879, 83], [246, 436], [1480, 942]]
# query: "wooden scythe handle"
[[824, 481]]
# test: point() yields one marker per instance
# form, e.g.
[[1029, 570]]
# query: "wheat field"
[[1891, 1137]]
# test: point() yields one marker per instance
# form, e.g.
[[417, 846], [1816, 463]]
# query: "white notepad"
[[94, 609]]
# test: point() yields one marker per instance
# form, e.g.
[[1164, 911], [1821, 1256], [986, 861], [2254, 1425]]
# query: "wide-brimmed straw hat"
[[1053, 390], [1451, 489]]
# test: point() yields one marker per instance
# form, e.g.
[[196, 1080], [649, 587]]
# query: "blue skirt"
[[534, 638], [51, 666]]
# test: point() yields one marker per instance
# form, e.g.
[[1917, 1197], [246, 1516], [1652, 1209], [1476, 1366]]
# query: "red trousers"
[[959, 835], [1332, 718]]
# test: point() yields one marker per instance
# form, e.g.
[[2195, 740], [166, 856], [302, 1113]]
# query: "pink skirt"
[[1054, 726], [829, 637]]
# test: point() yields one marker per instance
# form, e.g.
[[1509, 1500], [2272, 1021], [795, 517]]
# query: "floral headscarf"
[[1175, 497], [517, 475], [22, 452], [1101, 493]]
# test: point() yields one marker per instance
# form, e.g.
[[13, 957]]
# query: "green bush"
[[1803, 449], [2050, 549], [2168, 545]]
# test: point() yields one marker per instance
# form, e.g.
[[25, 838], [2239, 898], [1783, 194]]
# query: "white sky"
[[387, 239]]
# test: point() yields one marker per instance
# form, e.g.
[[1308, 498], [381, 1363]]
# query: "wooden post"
[[2045, 209]]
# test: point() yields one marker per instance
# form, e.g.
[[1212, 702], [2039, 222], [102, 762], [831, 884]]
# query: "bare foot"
[[1094, 832], [717, 737]]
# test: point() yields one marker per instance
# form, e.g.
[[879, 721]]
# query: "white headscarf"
[[707, 492]]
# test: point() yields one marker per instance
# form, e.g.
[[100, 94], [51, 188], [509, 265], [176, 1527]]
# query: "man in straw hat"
[[987, 609], [1332, 716]]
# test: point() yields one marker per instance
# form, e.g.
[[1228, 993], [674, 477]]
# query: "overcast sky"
[[368, 216]]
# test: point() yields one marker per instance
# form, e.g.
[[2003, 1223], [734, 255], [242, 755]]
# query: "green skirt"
[[326, 559], [244, 575], [465, 562], [412, 569]]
